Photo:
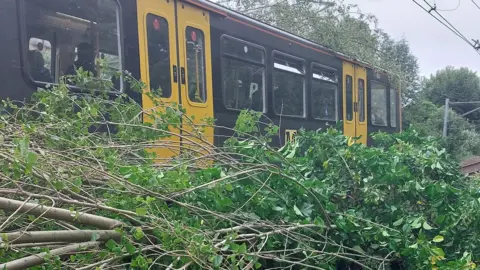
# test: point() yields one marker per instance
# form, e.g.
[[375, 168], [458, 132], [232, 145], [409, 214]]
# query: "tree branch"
[[60, 236], [59, 214], [38, 259]]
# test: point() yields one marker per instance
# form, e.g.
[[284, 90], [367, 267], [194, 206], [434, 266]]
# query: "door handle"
[[182, 74], [355, 107], [175, 74]]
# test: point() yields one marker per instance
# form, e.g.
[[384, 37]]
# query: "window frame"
[[303, 62], [313, 66], [393, 124], [24, 48], [223, 55], [372, 82]]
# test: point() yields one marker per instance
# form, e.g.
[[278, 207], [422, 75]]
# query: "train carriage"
[[213, 61]]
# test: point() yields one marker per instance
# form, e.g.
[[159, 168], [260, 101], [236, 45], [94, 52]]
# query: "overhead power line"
[[433, 10], [475, 3]]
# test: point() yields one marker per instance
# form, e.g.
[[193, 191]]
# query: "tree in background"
[[340, 27], [457, 84]]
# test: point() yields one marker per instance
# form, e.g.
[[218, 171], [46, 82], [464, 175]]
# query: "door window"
[[361, 100], [349, 97], [159, 56], [195, 48]]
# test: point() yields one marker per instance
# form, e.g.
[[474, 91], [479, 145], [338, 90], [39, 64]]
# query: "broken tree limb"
[[60, 236], [38, 259], [59, 214]]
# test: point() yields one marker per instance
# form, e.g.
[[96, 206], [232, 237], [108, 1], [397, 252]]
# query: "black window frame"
[[304, 75], [387, 107], [223, 55], [395, 92], [24, 48], [313, 66]]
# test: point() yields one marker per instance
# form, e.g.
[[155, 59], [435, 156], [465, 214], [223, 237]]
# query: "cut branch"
[[38, 259], [60, 236], [59, 214]]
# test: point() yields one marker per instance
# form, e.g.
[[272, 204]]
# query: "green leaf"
[[110, 244], [398, 222], [242, 248], [278, 208], [141, 211], [426, 226], [130, 248], [138, 233], [297, 211], [438, 239], [229, 187], [438, 251], [217, 260], [416, 223]]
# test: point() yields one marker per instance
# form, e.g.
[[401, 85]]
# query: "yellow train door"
[[159, 65], [196, 77], [354, 101]]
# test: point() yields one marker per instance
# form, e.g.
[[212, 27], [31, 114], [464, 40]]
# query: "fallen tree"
[[74, 198]]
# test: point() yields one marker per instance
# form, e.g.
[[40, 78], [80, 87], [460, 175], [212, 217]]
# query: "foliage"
[[316, 202], [462, 141], [341, 27]]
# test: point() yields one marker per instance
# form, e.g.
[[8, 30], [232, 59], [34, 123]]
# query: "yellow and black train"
[[212, 60]]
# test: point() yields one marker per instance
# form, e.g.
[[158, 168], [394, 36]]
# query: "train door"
[[158, 64], [175, 59], [196, 77], [354, 101]]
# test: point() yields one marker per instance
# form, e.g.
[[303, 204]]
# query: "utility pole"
[[445, 118]]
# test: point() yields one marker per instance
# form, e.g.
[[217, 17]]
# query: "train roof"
[[223, 11]]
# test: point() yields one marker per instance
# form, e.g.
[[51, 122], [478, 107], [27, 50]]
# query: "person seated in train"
[[37, 68], [86, 60]]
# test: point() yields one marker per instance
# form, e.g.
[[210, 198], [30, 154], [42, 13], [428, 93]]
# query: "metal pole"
[[445, 118]]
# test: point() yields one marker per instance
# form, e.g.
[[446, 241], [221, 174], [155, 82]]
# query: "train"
[[213, 61]]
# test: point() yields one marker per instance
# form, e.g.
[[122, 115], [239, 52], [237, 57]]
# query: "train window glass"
[[195, 46], [159, 56], [324, 94], [244, 50], [288, 86], [393, 107], [349, 97], [379, 104], [40, 60], [80, 32], [243, 85], [243, 75], [361, 100]]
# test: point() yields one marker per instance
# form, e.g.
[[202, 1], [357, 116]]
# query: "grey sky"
[[432, 43]]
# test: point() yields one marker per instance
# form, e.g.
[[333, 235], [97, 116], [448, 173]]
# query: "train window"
[[40, 60], [361, 100], [379, 104], [324, 94], [158, 56], [349, 97], [243, 75], [393, 107], [195, 46], [288, 86], [79, 32]]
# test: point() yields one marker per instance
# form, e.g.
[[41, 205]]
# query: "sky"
[[432, 43]]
